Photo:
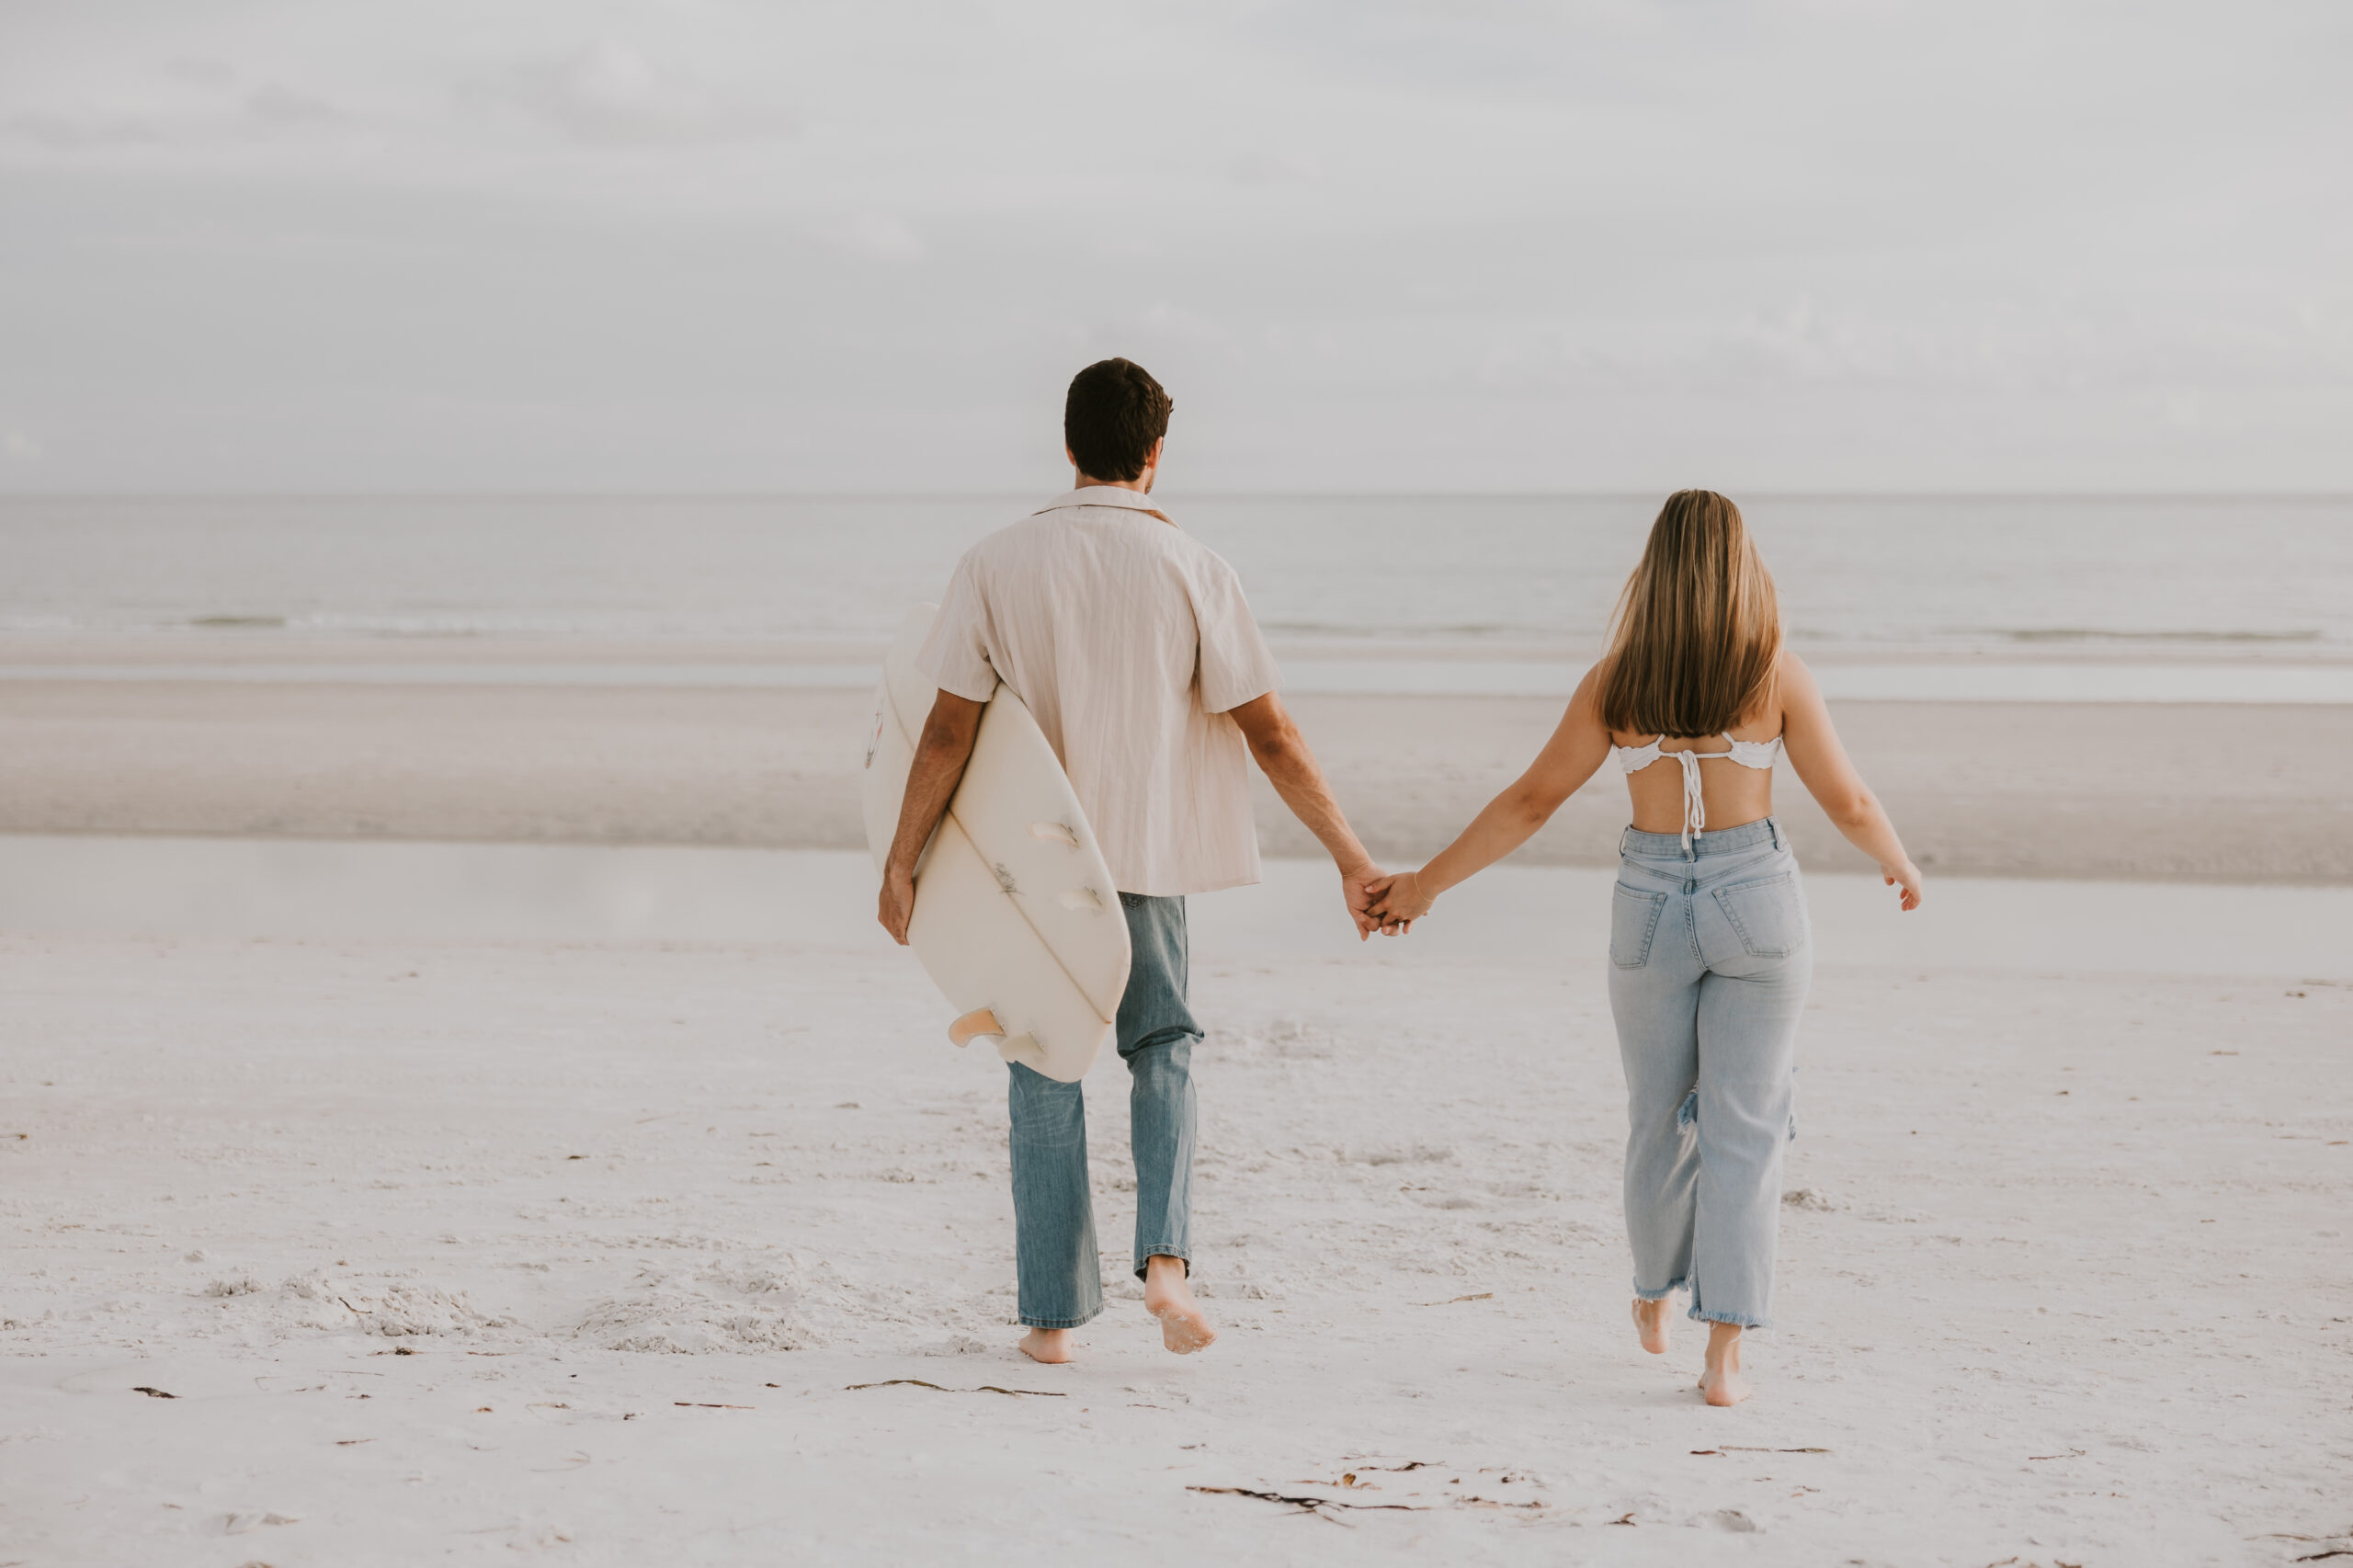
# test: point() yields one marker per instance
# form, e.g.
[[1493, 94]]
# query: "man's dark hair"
[[1114, 414]]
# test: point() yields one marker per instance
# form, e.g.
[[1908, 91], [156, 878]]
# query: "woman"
[[1707, 933]]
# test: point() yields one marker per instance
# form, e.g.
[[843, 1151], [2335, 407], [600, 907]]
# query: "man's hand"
[[897, 904], [1356, 888]]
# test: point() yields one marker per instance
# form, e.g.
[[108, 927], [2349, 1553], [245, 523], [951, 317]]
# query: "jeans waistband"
[[1725, 841]]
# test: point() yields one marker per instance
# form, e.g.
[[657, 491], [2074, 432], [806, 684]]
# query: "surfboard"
[[1016, 918]]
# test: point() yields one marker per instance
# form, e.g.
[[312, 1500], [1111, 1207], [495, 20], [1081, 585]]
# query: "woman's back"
[[1729, 782]]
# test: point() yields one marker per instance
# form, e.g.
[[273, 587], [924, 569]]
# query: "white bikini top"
[[1758, 754]]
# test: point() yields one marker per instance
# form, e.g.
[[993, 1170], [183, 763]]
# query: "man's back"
[[1129, 640], [1133, 646]]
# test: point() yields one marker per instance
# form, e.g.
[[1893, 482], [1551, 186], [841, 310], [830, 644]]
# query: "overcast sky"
[[509, 245]]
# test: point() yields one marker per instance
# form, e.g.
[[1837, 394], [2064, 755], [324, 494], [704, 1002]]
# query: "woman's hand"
[[1907, 877], [1398, 902]]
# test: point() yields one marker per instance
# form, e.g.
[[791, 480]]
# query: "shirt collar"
[[1107, 495]]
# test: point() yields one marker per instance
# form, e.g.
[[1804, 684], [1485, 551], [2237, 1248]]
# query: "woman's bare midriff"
[[1734, 796]]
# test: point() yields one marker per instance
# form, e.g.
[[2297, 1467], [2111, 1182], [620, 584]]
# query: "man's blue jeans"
[[1053, 1214]]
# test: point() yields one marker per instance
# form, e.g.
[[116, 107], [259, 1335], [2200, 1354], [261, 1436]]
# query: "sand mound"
[[313, 1300], [397, 1309], [788, 1304]]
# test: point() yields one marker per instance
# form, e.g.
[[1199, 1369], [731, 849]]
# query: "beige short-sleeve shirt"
[[1129, 640]]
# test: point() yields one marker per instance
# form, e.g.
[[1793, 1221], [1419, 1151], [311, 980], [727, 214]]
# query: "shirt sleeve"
[[1235, 662], [956, 655]]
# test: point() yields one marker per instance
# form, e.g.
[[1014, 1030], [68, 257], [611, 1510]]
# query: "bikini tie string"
[[1695, 809]]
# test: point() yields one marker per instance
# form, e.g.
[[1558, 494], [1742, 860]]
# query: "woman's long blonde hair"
[[1698, 631]]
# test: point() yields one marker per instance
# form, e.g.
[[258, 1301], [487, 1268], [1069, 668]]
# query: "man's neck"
[[1141, 484]]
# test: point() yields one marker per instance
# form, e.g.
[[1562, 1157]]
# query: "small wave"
[[2097, 634], [1370, 628]]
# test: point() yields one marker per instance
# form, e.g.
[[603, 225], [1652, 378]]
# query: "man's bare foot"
[[1169, 1297], [1650, 1323], [1052, 1345], [1721, 1382]]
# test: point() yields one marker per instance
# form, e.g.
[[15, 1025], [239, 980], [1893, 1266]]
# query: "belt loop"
[[1775, 828]]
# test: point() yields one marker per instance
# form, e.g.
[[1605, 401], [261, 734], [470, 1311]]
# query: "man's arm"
[[1291, 767], [932, 777]]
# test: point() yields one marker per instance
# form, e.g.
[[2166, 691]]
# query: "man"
[[1133, 646]]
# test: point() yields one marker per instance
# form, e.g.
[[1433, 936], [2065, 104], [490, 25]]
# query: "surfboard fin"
[[1053, 832], [980, 1021], [1079, 898]]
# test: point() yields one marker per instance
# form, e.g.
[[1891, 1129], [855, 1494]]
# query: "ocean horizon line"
[[1018, 496], [1912, 680]]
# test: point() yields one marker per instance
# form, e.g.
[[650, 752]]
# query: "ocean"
[[2225, 597]]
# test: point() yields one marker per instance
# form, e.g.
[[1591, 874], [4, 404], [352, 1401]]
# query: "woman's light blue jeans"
[[1710, 956], [1053, 1212]]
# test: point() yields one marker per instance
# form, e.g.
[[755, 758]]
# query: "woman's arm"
[[1511, 819], [1823, 767]]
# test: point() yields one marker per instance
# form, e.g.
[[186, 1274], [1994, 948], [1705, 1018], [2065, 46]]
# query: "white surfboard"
[[1016, 918]]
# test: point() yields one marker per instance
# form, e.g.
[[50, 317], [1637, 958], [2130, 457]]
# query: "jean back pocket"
[[1633, 922], [1769, 914]]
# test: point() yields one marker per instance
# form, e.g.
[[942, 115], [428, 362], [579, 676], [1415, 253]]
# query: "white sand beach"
[[615, 1240], [467, 1080]]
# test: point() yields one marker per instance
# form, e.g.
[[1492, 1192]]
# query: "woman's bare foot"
[[1721, 1382], [1052, 1345], [1169, 1297], [1650, 1323]]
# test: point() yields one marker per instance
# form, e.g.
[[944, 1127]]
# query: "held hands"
[[1397, 902], [1365, 887], [1907, 877]]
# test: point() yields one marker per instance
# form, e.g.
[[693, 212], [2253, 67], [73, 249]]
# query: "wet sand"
[[2240, 794]]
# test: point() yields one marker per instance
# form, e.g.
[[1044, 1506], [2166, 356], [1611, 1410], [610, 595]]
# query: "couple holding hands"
[[1134, 648]]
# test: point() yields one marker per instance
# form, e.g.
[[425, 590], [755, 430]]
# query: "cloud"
[[202, 69], [1262, 166], [877, 235], [274, 105], [205, 105], [1908, 349], [1335, 222], [87, 131], [608, 94]]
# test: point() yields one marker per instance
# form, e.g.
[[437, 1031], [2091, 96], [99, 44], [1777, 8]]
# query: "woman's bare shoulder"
[[1792, 677], [1790, 692], [1796, 694], [1585, 702]]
